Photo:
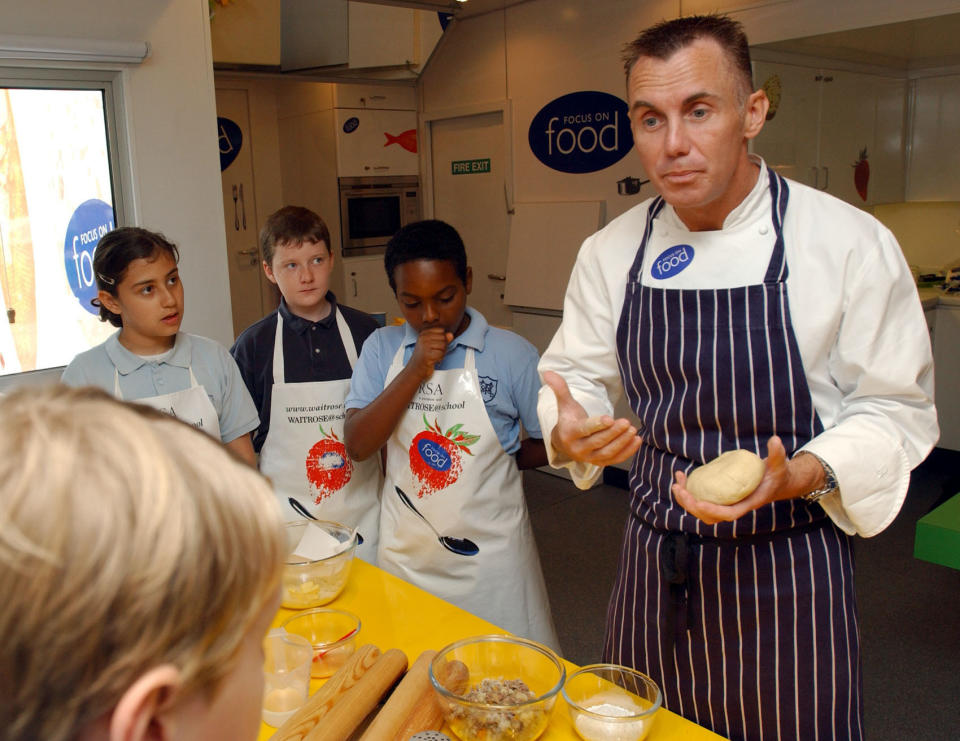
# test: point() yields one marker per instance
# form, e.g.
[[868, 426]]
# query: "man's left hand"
[[782, 479]]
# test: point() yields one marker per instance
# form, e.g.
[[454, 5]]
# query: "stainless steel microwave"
[[372, 209]]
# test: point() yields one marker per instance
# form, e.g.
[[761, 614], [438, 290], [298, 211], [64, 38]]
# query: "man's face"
[[691, 118]]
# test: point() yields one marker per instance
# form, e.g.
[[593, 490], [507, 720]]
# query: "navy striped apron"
[[749, 627]]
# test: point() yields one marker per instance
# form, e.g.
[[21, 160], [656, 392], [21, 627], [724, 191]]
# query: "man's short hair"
[[664, 39], [128, 539], [431, 239], [292, 225]]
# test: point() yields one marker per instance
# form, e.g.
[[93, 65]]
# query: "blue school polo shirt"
[[212, 366], [506, 363]]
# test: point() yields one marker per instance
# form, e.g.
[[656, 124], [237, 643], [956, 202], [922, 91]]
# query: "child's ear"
[[139, 716], [109, 302], [468, 283], [269, 272]]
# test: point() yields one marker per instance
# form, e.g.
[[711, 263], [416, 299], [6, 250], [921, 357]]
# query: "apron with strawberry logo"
[[453, 518], [304, 455], [192, 405]]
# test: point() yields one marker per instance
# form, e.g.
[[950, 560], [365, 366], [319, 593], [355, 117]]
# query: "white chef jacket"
[[855, 312]]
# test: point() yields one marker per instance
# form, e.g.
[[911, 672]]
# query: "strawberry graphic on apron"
[[328, 466], [435, 456]]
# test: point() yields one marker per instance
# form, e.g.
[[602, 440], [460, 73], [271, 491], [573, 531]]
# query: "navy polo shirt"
[[312, 351]]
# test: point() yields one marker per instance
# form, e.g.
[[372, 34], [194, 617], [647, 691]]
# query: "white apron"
[[192, 405], [304, 455], [472, 495]]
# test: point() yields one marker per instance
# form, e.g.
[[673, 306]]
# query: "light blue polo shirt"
[[506, 364], [212, 365]]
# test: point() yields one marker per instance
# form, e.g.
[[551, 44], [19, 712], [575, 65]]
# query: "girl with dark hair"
[[149, 359]]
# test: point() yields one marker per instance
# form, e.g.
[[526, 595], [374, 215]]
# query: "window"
[[62, 190]]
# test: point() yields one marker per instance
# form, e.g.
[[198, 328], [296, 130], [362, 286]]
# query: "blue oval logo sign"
[[581, 132], [91, 220], [671, 261], [433, 455], [351, 124], [230, 139]]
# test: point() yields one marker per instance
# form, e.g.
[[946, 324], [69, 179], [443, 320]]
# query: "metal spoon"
[[300, 509], [461, 546]]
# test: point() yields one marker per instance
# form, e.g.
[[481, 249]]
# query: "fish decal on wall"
[[406, 139]]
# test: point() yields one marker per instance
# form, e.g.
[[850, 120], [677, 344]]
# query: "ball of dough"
[[728, 478]]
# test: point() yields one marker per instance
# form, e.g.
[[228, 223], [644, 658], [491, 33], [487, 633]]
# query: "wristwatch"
[[830, 480]]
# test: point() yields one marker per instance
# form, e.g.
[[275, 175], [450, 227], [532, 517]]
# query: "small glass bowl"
[[332, 633], [608, 702], [312, 583], [500, 658]]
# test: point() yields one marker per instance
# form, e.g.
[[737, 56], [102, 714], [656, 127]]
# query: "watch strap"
[[830, 480]]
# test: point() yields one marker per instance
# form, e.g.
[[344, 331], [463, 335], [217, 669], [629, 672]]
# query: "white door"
[[239, 208], [469, 176]]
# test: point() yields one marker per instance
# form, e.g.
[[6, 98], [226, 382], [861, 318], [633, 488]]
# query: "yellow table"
[[395, 614]]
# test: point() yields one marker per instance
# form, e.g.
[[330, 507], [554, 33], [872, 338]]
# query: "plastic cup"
[[286, 669]]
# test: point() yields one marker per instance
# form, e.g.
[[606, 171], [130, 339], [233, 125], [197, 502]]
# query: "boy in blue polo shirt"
[[297, 362], [447, 393]]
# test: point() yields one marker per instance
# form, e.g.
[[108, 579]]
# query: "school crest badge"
[[488, 388]]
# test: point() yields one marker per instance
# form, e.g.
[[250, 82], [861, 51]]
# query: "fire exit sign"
[[469, 167]]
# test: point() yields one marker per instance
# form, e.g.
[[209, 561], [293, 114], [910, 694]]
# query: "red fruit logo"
[[435, 456], [861, 174], [328, 467]]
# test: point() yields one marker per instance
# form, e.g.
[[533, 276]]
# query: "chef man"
[[738, 310]]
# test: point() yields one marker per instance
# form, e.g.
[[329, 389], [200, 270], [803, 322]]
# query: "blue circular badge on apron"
[[671, 261]]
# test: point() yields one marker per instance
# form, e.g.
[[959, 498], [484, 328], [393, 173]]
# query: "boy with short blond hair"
[[140, 566]]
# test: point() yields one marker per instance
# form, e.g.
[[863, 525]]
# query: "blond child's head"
[[139, 569]]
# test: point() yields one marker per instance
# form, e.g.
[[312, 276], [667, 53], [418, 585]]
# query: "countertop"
[[931, 298], [395, 614]]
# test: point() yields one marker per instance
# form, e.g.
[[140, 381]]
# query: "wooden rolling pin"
[[402, 699], [426, 713], [316, 707], [354, 705]]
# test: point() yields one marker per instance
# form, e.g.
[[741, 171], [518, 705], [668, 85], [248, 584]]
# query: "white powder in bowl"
[[598, 729]]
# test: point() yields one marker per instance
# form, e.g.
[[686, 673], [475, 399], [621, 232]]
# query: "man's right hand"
[[601, 441], [430, 348]]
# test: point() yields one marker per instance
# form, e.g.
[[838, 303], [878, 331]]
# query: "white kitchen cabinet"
[[366, 286], [946, 360], [376, 142], [825, 119], [934, 155], [395, 97]]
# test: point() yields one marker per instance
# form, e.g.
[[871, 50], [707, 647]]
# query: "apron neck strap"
[[346, 337], [655, 208], [779, 195]]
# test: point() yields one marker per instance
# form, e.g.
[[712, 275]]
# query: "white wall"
[[171, 115]]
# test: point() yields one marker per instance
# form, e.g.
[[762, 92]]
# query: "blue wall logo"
[[89, 222], [351, 124], [581, 132], [671, 261], [230, 138]]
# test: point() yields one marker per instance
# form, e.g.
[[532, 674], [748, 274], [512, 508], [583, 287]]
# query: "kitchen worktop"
[[395, 614], [931, 298]]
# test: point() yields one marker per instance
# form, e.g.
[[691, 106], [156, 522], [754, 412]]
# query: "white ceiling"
[[919, 44]]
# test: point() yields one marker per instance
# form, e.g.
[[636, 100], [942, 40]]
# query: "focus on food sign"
[[581, 132]]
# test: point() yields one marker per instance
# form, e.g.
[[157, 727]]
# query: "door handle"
[[826, 178], [496, 276], [252, 252], [815, 171], [236, 214]]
